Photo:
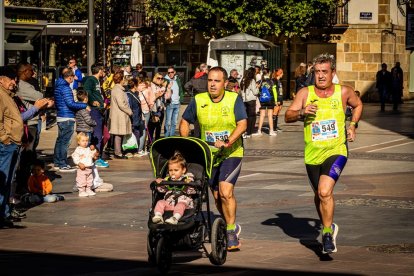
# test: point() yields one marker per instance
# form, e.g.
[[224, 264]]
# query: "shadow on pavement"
[[37, 263], [306, 230]]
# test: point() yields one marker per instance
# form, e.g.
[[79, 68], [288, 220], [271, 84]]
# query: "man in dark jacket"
[[96, 101], [397, 85], [66, 108], [198, 83], [383, 84]]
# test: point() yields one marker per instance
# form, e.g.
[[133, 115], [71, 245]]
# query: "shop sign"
[[365, 15], [23, 19]]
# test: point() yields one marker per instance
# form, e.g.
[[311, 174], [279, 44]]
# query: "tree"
[[219, 18]]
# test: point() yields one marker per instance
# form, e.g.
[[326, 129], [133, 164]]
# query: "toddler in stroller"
[[177, 198]]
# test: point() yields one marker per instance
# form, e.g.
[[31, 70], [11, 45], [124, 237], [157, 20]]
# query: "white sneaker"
[[90, 192], [171, 220], [259, 133], [157, 219], [83, 194], [272, 133], [129, 155], [142, 153]]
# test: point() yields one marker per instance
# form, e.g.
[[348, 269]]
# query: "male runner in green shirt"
[[322, 106]]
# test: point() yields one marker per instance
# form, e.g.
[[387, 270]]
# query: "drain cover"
[[393, 248]]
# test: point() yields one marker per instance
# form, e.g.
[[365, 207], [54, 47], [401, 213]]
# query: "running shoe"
[[238, 230], [67, 168], [233, 242], [258, 133], [272, 133], [329, 240], [100, 163]]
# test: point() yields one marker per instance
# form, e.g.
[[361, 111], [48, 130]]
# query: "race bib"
[[213, 136], [324, 130]]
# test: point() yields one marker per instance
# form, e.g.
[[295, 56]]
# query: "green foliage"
[[219, 18]]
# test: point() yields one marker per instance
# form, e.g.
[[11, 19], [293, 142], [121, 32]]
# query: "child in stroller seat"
[[177, 198]]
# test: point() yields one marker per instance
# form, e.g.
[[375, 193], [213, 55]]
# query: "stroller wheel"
[[163, 256], [151, 248], [218, 242]]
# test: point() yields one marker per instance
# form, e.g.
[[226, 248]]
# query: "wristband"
[[352, 123]]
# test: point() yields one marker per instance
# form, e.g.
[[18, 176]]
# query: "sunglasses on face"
[[171, 72], [159, 78]]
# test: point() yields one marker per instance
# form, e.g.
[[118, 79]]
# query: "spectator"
[[139, 72], [233, 82], [173, 105], [300, 77], [147, 99], [40, 186], [120, 122], [65, 117], [384, 81], [11, 132], [96, 101], [249, 92], [84, 121], [29, 95], [276, 78], [198, 83], [159, 88], [135, 105], [397, 85], [78, 75]]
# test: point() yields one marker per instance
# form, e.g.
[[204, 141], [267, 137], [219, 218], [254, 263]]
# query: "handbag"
[[129, 142]]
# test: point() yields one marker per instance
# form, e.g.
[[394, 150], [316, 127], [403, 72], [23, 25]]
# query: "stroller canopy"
[[192, 149]]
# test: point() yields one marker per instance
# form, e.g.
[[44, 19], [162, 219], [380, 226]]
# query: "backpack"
[[265, 92]]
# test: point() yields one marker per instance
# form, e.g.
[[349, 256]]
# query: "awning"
[[241, 41], [18, 46], [65, 29]]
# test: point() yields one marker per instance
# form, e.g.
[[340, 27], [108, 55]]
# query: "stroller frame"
[[194, 228]]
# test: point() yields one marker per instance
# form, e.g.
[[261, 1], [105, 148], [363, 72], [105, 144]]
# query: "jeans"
[[171, 119], [141, 142], [383, 93], [8, 161], [97, 135], [65, 132]]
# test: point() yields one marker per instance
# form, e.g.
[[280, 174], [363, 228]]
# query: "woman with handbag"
[[120, 122], [159, 88], [137, 121], [147, 98]]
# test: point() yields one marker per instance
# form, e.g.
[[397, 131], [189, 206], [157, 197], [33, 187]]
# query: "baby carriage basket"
[[195, 228]]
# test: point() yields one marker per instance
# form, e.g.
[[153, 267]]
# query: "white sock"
[[177, 216]]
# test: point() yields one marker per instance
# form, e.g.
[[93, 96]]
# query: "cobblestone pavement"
[[106, 235]]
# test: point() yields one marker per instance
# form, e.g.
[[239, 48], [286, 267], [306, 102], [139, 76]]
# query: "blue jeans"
[[141, 143], [65, 132], [171, 118], [8, 161]]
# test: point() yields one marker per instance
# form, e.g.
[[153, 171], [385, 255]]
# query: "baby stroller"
[[195, 228]]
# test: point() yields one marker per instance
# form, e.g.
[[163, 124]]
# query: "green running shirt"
[[325, 133]]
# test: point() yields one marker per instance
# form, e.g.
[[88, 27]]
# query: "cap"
[[8, 71]]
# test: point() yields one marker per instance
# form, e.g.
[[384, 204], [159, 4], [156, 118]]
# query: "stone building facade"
[[374, 34]]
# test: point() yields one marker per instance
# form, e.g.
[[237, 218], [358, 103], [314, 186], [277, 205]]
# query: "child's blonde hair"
[[177, 158], [80, 135]]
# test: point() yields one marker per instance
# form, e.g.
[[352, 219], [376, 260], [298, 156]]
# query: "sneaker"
[[83, 194], [142, 153], [238, 230], [233, 242], [279, 129], [120, 157], [17, 215], [129, 155], [157, 219], [172, 220], [90, 192], [329, 240], [273, 133], [67, 168], [100, 163], [259, 133], [60, 197]]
